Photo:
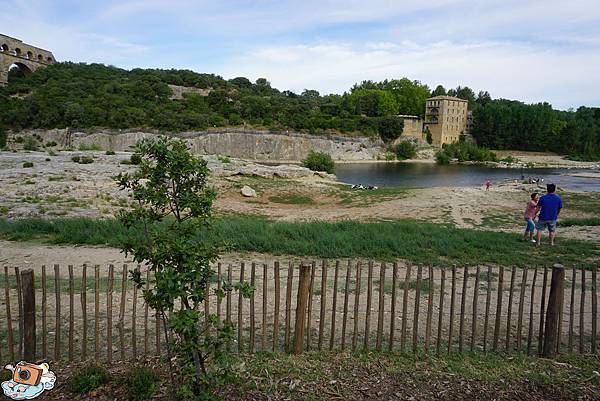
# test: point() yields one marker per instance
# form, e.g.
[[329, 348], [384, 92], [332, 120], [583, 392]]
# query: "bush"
[[48, 159], [27, 164], [75, 159], [86, 160], [442, 158], [224, 159], [135, 159], [141, 383], [319, 161], [88, 379], [428, 136], [51, 144], [2, 138], [110, 153], [390, 128], [30, 144], [89, 146], [465, 152], [405, 150]]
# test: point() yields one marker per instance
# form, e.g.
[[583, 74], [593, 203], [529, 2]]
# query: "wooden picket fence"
[[94, 313]]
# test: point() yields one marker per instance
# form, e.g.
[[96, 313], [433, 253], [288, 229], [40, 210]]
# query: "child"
[[530, 213], [488, 184]]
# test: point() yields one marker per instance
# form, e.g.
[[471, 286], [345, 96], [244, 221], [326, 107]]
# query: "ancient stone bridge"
[[28, 58]]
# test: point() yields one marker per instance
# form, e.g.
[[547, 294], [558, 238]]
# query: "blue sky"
[[526, 50]]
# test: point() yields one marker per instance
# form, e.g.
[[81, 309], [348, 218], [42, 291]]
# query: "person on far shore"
[[530, 213], [488, 184], [548, 207]]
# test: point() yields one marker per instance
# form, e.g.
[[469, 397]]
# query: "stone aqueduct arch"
[[28, 58]]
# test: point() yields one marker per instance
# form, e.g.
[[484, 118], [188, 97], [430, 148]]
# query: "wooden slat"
[[520, 312], [393, 307], [542, 309], [346, 296], [510, 303], [228, 303], [429, 309], [301, 305], [20, 304], [313, 269], [561, 305], [500, 291], [452, 299], [83, 300], [415, 336], [146, 334], [356, 301], [252, 311], [323, 303], [334, 304], [10, 338], [369, 300], [57, 336], [438, 344], [488, 297], [134, 320], [71, 311], [582, 312], [463, 301], [531, 303], [219, 290], [475, 305], [572, 310], [109, 312], [264, 310], [44, 316], [381, 306], [122, 312], [96, 313], [288, 305], [240, 311], [277, 277], [594, 307], [404, 309]]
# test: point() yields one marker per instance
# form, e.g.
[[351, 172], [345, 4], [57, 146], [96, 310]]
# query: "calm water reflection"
[[420, 175]]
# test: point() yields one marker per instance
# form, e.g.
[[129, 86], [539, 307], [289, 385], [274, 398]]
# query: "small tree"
[[390, 128], [167, 225], [319, 161], [405, 150], [428, 136]]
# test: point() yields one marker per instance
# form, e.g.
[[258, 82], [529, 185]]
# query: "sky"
[[526, 50]]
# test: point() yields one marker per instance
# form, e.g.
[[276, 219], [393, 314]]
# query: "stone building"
[[28, 58], [446, 117], [413, 126]]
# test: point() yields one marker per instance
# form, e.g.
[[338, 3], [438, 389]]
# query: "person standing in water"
[[530, 213], [548, 207]]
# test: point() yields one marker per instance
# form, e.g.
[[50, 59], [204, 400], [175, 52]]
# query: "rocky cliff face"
[[253, 145]]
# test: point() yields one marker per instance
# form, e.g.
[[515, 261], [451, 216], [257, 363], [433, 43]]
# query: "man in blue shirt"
[[549, 207]]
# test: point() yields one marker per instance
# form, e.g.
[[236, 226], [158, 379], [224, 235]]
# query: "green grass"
[[365, 197], [585, 221], [89, 146], [292, 199], [415, 241], [88, 379], [582, 202]]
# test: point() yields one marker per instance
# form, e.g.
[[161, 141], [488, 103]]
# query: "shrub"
[[88, 379], [48, 159], [30, 144], [27, 164], [51, 153], [2, 138], [319, 161], [141, 383], [89, 146], [405, 150], [442, 158], [465, 152], [390, 128], [51, 144], [428, 136], [110, 153], [135, 159], [224, 159], [86, 160], [75, 159]]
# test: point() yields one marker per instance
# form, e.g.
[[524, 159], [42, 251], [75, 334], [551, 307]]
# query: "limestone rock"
[[248, 192]]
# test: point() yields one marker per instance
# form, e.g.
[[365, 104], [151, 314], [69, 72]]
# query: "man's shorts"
[[530, 225], [542, 224]]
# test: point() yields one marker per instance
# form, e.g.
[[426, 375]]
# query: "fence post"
[[303, 293], [555, 300], [28, 291]]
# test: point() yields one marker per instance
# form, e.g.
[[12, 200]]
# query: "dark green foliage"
[[110, 153], [27, 164], [428, 136], [464, 152], [30, 143], [88, 379], [319, 161], [76, 159], [405, 150], [2, 137], [86, 160], [390, 128], [141, 383], [135, 159], [51, 144]]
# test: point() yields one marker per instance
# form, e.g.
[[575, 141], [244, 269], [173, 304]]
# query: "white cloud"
[[505, 69]]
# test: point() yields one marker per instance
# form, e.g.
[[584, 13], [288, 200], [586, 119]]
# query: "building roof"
[[445, 97]]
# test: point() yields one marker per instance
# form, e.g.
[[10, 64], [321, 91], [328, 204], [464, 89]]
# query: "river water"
[[426, 175]]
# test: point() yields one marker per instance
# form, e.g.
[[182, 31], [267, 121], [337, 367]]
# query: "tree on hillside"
[[439, 91], [373, 102], [390, 128], [410, 95]]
